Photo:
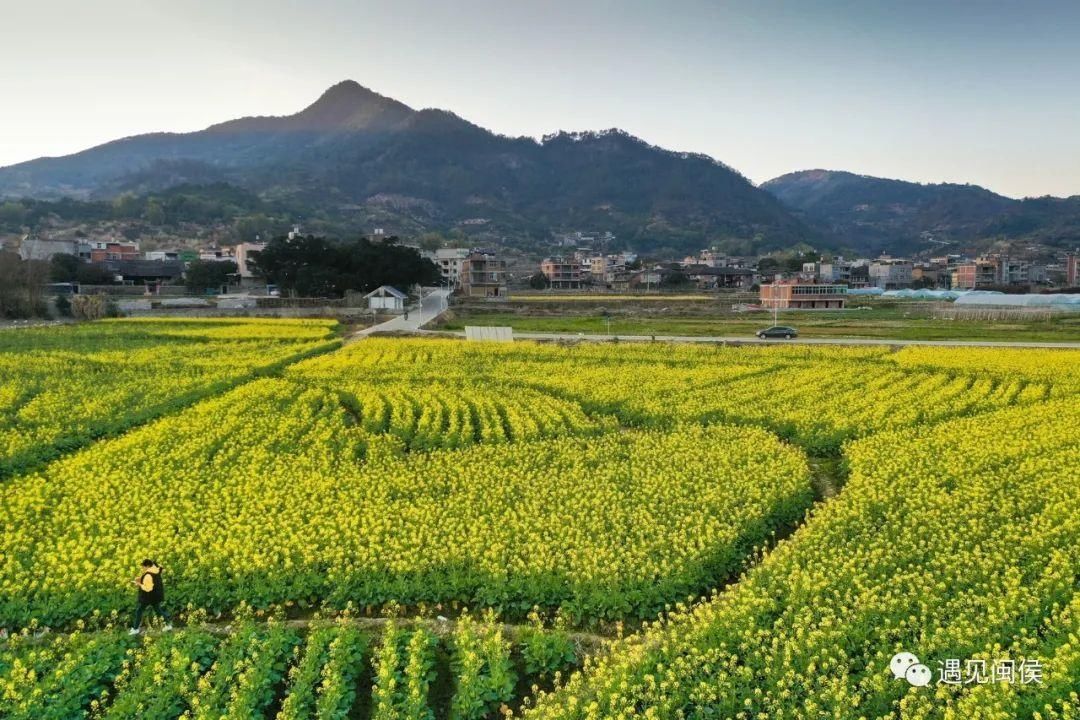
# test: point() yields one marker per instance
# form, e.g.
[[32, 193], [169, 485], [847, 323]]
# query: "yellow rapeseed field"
[[609, 482]]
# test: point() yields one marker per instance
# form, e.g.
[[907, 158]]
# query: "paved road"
[[751, 340], [431, 306]]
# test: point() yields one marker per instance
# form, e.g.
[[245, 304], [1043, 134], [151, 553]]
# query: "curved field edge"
[[99, 347], [943, 552], [261, 496]]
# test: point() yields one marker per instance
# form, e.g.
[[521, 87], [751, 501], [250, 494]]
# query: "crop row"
[[258, 495], [273, 670], [955, 541], [62, 387], [818, 398]]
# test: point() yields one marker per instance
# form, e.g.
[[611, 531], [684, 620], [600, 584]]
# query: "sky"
[[985, 92]]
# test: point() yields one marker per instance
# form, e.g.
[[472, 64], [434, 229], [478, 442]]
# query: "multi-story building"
[[562, 273], [890, 274], [597, 268], [974, 275], [927, 274], [833, 271], [720, 278], [243, 252], [102, 250], [991, 270], [790, 294], [1012, 271], [483, 275], [449, 261], [1072, 271]]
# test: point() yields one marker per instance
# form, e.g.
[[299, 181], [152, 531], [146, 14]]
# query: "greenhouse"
[[1060, 300]]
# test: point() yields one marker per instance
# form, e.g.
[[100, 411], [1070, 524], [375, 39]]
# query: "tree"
[[94, 274], [64, 267], [431, 241], [539, 281], [21, 286], [204, 275], [675, 278], [155, 213], [12, 214], [127, 207], [316, 267], [251, 227]]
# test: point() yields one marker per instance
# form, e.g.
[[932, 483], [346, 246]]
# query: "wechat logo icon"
[[906, 666]]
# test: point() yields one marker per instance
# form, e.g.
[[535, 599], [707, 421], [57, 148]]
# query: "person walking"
[[151, 594]]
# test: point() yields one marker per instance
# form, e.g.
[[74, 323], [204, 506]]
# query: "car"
[[778, 331]]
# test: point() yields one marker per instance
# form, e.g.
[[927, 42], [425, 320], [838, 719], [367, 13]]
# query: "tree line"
[[310, 266]]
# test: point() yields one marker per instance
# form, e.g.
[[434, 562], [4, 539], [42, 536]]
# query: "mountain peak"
[[349, 91], [348, 105]]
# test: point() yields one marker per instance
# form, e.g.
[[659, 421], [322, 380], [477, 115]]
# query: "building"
[[803, 296], [595, 267], [243, 252], [974, 275], [161, 255], [991, 271], [217, 255], [388, 298], [100, 251], [34, 248], [1011, 271], [720, 278], [151, 273], [562, 273], [1072, 272], [449, 262], [890, 274], [927, 274], [483, 275]]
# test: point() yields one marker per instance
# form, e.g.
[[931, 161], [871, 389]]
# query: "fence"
[[489, 333], [983, 313]]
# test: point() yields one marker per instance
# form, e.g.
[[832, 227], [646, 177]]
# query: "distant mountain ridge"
[[357, 153], [879, 214]]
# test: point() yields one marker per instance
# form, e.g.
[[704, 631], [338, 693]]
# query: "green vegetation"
[[891, 324], [318, 669], [316, 267]]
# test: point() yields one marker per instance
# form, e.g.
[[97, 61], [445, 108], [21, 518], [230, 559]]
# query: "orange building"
[[790, 294], [102, 251], [562, 273]]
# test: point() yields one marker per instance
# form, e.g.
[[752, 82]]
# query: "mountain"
[[358, 155], [876, 214]]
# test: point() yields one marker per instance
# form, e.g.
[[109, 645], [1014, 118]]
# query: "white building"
[[217, 255], [32, 248], [449, 261], [890, 274], [161, 255], [243, 257], [385, 297]]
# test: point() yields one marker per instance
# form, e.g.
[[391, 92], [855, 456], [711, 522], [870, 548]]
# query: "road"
[[751, 340], [431, 306]]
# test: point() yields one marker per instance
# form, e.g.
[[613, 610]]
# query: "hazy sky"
[[932, 90]]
